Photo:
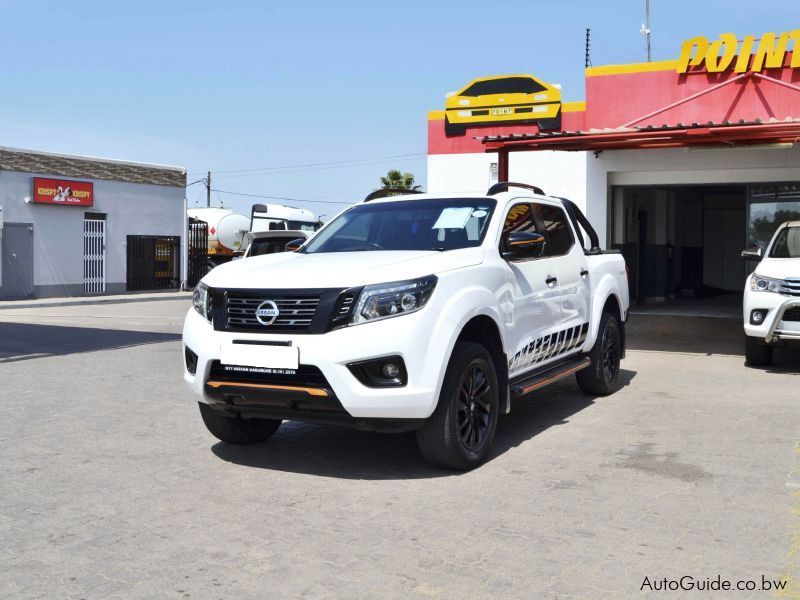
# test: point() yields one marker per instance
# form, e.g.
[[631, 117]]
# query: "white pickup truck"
[[772, 295], [426, 312]]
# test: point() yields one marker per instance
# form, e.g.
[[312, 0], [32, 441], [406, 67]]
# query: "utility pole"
[[646, 29], [208, 190], [587, 62]]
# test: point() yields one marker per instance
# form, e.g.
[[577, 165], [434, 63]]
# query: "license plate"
[[496, 112], [256, 355]]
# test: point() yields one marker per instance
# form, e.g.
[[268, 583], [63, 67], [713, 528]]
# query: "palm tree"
[[400, 181]]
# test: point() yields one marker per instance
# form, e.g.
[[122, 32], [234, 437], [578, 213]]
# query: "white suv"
[[772, 295], [424, 312]]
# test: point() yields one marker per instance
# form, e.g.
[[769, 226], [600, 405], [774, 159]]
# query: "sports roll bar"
[[387, 192], [579, 220], [504, 185]]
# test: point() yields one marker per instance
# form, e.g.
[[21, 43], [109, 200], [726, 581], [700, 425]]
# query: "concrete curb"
[[185, 296]]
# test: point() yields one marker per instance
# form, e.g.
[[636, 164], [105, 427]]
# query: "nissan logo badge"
[[267, 312]]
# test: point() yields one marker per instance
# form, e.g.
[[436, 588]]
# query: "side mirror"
[[524, 244], [294, 245], [753, 253]]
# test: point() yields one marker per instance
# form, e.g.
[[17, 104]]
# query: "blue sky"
[[231, 86]]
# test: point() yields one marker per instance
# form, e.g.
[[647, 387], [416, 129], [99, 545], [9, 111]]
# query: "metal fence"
[[198, 251], [153, 262]]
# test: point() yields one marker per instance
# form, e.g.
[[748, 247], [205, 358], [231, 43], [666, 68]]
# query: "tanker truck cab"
[[271, 217], [433, 313]]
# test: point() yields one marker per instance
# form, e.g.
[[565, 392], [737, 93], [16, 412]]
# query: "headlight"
[[386, 300], [201, 300], [765, 284]]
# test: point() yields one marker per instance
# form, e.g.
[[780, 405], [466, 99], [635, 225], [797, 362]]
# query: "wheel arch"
[[483, 329]]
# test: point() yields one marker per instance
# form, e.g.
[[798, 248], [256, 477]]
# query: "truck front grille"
[[791, 286], [295, 313]]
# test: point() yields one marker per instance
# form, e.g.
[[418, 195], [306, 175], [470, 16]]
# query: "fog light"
[[390, 370], [191, 360], [757, 316]]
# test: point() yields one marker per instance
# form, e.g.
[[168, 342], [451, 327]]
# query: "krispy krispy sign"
[[62, 191]]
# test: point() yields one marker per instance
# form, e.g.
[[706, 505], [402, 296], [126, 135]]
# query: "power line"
[[320, 164], [321, 168], [285, 199]]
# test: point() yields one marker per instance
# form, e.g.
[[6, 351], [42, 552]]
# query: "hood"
[[293, 270], [779, 268]]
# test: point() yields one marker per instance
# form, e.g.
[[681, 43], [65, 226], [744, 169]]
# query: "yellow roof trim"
[[574, 106], [647, 67], [435, 115]]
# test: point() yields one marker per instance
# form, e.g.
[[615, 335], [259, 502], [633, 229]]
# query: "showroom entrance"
[[684, 242]]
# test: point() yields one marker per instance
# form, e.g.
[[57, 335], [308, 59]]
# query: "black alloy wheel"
[[611, 357], [474, 413]]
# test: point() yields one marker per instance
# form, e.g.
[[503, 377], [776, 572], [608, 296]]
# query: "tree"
[[401, 181]]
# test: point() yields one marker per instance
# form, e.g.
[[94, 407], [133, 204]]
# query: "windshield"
[[434, 224], [787, 243]]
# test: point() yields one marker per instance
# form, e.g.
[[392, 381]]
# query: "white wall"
[[557, 173], [459, 173]]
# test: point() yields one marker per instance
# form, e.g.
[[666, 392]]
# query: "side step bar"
[[547, 375]]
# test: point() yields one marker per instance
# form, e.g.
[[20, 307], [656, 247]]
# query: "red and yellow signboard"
[[62, 191]]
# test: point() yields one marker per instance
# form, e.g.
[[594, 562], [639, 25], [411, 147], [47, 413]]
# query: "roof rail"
[[387, 192], [504, 185]]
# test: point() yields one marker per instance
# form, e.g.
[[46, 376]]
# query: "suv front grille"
[[791, 286], [303, 311], [295, 313]]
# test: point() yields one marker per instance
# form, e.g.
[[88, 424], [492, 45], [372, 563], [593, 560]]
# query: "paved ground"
[[111, 487]]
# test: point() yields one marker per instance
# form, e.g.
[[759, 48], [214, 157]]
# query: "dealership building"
[[73, 225], [680, 164]]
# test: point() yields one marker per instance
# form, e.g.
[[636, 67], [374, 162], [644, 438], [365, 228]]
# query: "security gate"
[[153, 262], [198, 251], [94, 255]]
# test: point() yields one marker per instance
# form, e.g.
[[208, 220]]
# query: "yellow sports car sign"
[[503, 99]]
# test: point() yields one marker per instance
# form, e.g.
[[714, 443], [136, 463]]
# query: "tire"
[[236, 430], [602, 376], [756, 352], [459, 433]]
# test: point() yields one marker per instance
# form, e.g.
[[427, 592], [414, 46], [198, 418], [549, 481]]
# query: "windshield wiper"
[[438, 249]]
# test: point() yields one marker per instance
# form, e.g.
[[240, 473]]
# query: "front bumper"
[[423, 339], [774, 328]]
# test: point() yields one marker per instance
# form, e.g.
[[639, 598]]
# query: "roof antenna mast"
[[645, 30]]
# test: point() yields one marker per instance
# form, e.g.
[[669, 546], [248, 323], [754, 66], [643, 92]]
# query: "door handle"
[[584, 273], [551, 280]]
